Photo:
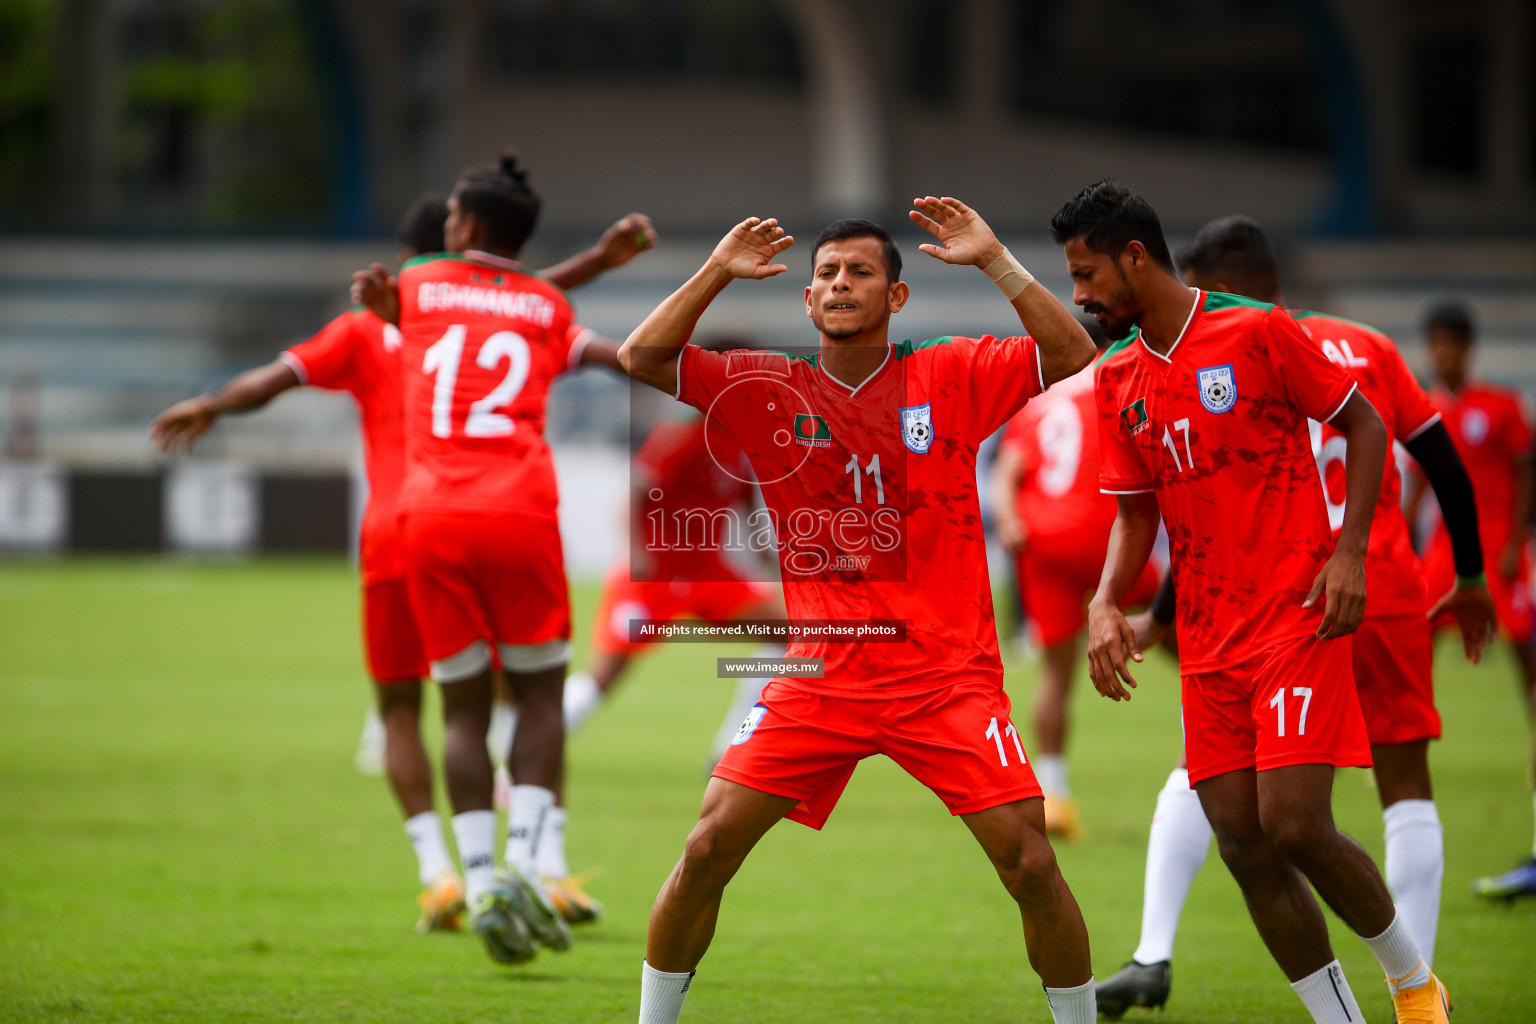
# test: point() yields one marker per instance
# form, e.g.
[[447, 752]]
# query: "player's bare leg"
[[410, 777], [1057, 666], [1013, 836], [731, 821]]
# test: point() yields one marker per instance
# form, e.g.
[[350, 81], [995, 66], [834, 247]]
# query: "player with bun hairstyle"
[[482, 341]]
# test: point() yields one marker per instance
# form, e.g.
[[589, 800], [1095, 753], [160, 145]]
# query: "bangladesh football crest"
[[749, 725], [917, 427], [1218, 391]]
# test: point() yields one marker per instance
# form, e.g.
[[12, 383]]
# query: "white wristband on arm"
[[1009, 275]]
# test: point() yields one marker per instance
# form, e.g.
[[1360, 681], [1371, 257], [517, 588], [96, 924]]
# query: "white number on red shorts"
[[996, 736], [1278, 703], [442, 361]]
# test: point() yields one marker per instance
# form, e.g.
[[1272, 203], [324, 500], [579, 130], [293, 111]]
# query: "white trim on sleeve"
[[1352, 389], [677, 392], [295, 364], [1423, 427], [573, 358], [1039, 367], [1143, 490]]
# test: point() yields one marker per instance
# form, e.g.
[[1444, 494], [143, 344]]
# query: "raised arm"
[[1111, 640], [183, 423], [965, 238], [651, 352], [1343, 577], [625, 239]]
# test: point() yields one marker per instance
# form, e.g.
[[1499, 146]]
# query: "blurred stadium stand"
[[188, 185]]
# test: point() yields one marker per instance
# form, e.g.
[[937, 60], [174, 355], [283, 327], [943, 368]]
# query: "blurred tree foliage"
[[207, 114]]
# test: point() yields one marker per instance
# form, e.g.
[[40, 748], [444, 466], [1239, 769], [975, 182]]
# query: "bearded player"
[[1392, 656], [866, 455], [1050, 515], [359, 354], [691, 486], [1203, 423], [1493, 435], [482, 340]]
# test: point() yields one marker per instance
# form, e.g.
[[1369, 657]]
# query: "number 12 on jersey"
[[441, 362]]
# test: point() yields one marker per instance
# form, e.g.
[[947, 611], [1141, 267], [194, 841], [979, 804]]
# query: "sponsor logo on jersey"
[[1134, 416], [1218, 390], [812, 431], [749, 725], [917, 427]]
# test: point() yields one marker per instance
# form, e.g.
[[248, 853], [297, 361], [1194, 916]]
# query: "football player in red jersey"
[[1203, 412], [1392, 655], [1049, 513], [866, 455], [685, 472], [482, 341], [359, 353], [1493, 434]]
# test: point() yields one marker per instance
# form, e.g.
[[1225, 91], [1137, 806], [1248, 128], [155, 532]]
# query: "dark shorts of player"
[[957, 741], [1295, 703], [391, 641], [487, 589], [1394, 661], [722, 596], [1511, 598], [1058, 575]]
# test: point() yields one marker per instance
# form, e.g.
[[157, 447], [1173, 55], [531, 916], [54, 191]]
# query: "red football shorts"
[[1393, 661], [957, 741], [1511, 598], [1293, 704], [624, 599], [391, 640], [490, 578], [1058, 575]]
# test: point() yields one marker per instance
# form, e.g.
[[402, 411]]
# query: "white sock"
[[747, 693], [1415, 868], [1051, 773], [498, 738], [1399, 956], [527, 819], [426, 832], [662, 994], [475, 832], [1177, 846], [1326, 995], [1073, 1005], [582, 696], [549, 860]]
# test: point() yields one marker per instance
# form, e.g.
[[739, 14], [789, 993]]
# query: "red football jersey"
[[483, 340], [1491, 431], [692, 473], [1393, 576], [360, 354], [1218, 430], [872, 496], [1057, 439]]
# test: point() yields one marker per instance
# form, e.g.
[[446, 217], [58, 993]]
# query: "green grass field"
[[183, 837]]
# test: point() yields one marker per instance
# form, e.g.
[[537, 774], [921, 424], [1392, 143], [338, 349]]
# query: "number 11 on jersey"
[[996, 737]]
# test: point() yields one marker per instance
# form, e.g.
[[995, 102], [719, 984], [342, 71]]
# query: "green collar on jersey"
[[1225, 300], [1303, 314], [906, 348], [1120, 345], [458, 257]]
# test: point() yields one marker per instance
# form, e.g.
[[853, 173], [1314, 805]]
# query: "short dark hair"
[[1236, 250], [500, 197], [421, 227], [855, 227], [1451, 315], [1107, 216]]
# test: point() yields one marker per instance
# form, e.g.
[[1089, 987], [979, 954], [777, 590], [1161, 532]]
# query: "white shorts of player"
[[476, 658]]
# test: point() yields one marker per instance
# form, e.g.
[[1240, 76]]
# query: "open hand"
[[378, 291], [965, 236], [182, 424], [627, 238], [749, 249], [1343, 581], [1474, 613], [1111, 643]]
